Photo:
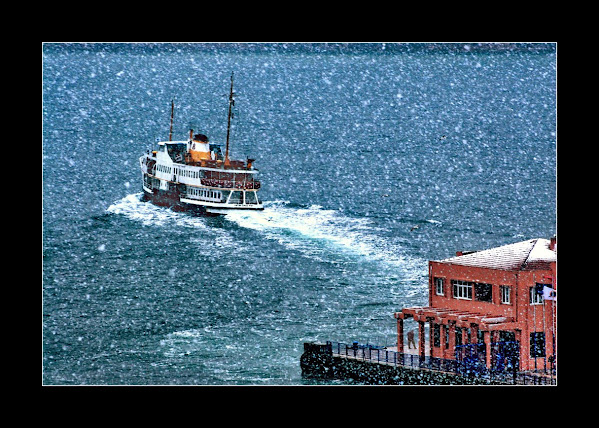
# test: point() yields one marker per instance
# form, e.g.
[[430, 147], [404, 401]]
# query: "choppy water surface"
[[355, 150]]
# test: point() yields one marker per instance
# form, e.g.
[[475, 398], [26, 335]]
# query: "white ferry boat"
[[194, 176]]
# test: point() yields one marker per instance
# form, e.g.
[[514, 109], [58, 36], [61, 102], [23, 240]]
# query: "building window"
[[505, 294], [536, 298], [483, 292], [462, 289], [439, 287], [537, 344]]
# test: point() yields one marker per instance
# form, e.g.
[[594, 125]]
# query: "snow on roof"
[[526, 255]]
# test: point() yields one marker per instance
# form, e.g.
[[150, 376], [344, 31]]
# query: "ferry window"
[[483, 292], [537, 344], [462, 289], [250, 198], [505, 294], [439, 286], [176, 151], [235, 198]]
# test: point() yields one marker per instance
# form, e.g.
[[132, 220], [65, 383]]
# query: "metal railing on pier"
[[382, 355]]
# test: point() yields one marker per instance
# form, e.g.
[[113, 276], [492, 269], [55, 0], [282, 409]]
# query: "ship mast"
[[170, 133], [231, 103]]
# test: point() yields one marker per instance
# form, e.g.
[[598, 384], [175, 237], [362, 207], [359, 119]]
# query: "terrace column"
[[473, 333], [487, 340], [430, 336], [400, 335], [442, 332], [421, 346], [452, 339]]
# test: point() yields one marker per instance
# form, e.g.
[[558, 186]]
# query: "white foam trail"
[[304, 228], [132, 207], [316, 232], [149, 214]]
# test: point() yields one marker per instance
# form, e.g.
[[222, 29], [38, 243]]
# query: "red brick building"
[[494, 307]]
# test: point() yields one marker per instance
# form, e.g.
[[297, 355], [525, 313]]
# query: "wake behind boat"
[[193, 175]]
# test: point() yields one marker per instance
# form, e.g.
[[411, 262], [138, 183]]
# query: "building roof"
[[533, 254]]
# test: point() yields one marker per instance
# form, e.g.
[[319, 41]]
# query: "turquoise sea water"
[[355, 149]]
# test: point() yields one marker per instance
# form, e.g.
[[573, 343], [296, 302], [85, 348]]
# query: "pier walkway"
[[388, 356]]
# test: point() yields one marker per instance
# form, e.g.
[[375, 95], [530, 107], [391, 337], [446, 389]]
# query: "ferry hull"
[[172, 199]]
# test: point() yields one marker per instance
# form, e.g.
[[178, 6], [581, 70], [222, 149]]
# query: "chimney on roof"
[[553, 243], [464, 252]]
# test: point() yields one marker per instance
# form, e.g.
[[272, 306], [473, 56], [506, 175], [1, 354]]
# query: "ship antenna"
[[170, 133], [231, 103]]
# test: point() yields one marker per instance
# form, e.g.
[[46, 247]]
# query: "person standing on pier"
[[411, 339]]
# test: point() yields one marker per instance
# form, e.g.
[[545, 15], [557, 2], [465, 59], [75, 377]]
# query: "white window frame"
[[535, 298], [506, 294], [462, 290], [439, 286]]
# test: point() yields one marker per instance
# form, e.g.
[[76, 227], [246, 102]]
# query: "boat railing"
[[231, 184]]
